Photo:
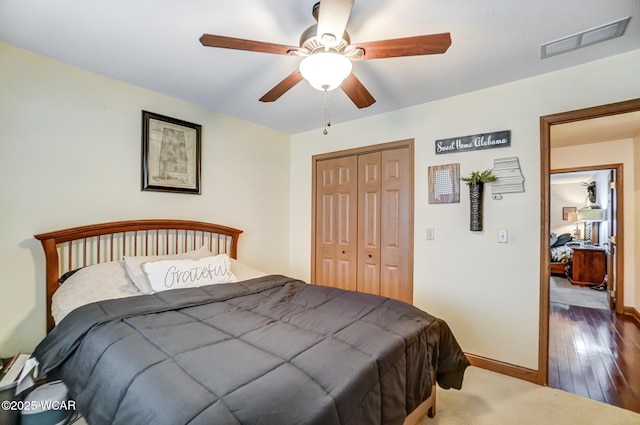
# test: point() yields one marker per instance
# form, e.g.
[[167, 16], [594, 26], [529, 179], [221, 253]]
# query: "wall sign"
[[509, 174], [498, 139]]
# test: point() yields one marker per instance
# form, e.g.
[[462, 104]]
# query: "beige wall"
[[487, 292], [70, 145], [574, 194], [564, 195], [613, 152], [70, 155]]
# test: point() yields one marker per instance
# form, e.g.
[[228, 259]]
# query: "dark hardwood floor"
[[596, 354]]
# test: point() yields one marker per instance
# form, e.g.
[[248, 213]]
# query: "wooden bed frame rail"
[[427, 407], [69, 249]]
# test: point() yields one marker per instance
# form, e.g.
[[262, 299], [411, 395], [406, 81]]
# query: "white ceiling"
[[154, 44], [576, 177]]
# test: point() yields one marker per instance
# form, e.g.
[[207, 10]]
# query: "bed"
[[561, 253], [258, 349]]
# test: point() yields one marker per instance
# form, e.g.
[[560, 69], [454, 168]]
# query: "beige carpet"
[[489, 398], [562, 292]]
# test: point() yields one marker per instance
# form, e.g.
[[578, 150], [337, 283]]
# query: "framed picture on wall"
[[568, 210], [444, 184], [170, 154]]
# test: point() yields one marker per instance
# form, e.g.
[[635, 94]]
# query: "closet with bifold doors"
[[362, 237]]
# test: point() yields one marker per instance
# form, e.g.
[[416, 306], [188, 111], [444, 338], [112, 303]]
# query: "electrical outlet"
[[503, 236]]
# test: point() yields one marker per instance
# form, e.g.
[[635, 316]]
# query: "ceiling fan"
[[328, 44]]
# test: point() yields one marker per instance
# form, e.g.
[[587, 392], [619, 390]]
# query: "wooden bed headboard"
[[69, 249]]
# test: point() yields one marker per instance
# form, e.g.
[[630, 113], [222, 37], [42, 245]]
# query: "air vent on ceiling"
[[585, 38]]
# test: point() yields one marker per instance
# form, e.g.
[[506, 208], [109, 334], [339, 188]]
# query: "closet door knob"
[[370, 255], [343, 252]]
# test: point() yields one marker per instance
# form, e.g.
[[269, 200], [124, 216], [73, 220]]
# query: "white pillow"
[[133, 265], [173, 274], [244, 272], [98, 282]]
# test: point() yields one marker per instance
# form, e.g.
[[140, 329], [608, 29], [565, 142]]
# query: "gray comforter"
[[269, 351]]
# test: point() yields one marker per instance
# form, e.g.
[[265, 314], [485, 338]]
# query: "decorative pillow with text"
[[174, 274], [133, 265]]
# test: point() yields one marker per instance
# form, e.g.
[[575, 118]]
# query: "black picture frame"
[[170, 154]]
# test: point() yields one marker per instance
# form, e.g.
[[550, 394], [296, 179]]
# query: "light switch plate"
[[503, 236], [431, 233]]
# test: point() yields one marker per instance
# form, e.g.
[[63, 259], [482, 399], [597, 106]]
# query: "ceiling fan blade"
[[241, 44], [282, 87], [410, 46], [332, 20], [357, 92]]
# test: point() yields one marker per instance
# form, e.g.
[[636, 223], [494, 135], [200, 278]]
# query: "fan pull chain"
[[327, 115]]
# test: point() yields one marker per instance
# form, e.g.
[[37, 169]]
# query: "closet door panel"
[[391, 276], [369, 181], [396, 250], [336, 201]]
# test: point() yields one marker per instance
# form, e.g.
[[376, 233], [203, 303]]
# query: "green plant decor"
[[476, 177], [476, 181]]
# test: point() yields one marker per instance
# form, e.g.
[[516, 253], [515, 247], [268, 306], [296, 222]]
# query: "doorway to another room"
[[582, 285], [588, 347], [582, 204]]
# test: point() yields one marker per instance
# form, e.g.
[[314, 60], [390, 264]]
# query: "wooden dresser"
[[589, 266]]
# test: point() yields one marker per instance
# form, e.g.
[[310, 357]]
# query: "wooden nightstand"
[[589, 266]]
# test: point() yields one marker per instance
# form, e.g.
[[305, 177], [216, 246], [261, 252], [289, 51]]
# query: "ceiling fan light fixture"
[[325, 70]]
